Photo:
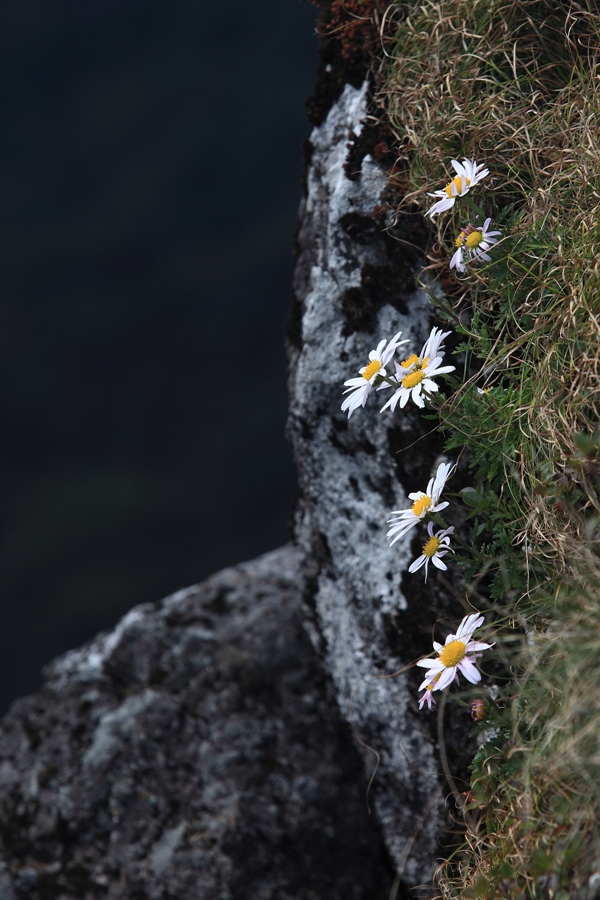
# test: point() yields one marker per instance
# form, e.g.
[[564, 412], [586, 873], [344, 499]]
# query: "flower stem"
[[389, 380], [479, 213]]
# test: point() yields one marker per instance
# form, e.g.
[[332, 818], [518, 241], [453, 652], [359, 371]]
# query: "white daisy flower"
[[359, 389], [471, 245], [423, 503], [468, 174], [458, 654], [418, 379], [436, 547], [434, 343], [432, 348]]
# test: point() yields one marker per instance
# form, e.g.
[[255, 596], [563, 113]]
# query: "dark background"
[[150, 174]]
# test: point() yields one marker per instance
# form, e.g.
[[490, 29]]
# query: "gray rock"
[[196, 751], [366, 616], [202, 749]]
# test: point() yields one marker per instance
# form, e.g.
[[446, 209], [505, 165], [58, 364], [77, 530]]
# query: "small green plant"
[[516, 85], [507, 93]]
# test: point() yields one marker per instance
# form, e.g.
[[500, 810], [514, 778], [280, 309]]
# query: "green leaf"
[[480, 889], [471, 497], [587, 443]]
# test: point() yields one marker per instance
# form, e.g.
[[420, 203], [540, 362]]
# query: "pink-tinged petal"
[[438, 563], [414, 567], [477, 646], [446, 678], [426, 698], [434, 665], [470, 672]]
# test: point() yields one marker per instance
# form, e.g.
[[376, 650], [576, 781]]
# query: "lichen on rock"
[[367, 619]]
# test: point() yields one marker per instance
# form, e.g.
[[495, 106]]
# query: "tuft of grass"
[[516, 86]]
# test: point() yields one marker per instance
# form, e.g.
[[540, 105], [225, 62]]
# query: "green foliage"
[[514, 85]]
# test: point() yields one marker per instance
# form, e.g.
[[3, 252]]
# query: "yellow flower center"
[[460, 240], [413, 379], [474, 239], [421, 505], [453, 653], [457, 182], [431, 547], [373, 367], [410, 361]]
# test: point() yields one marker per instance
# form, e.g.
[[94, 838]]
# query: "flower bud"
[[478, 709]]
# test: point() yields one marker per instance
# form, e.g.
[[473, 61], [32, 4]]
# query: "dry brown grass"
[[506, 83], [516, 85]]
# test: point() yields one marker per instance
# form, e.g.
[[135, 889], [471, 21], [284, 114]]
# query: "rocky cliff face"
[[194, 752], [354, 285], [203, 748]]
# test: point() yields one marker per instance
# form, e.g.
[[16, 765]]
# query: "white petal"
[[477, 646], [441, 206], [434, 665], [469, 671], [457, 261], [469, 624], [416, 395], [445, 678]]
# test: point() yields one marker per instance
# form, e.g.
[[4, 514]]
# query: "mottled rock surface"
[[354, 285], [196, 752]]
